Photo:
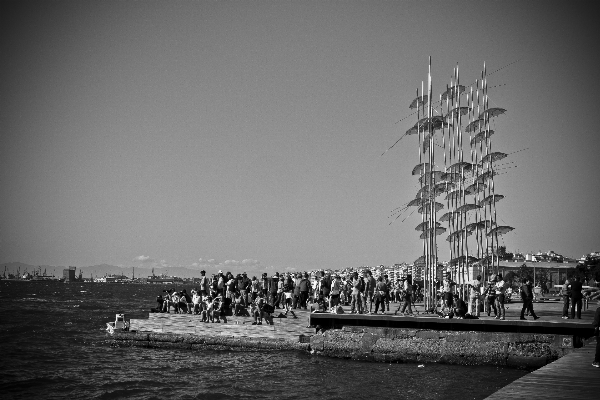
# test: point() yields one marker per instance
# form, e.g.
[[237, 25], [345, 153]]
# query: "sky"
[[249, 134]]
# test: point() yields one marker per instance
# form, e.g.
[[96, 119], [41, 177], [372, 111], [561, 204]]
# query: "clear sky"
[[204, 133]]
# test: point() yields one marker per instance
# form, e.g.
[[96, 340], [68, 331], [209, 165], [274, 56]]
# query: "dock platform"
[[570, 377]]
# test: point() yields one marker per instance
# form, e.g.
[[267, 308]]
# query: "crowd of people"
[[224, 294]]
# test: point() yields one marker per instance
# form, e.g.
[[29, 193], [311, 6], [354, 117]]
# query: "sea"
[[53, 345]]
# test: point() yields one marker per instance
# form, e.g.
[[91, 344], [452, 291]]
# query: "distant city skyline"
[[250, 134]]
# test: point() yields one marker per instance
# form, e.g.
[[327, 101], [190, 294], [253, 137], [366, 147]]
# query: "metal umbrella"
[[485, 176], [467, 207], [461, 259], [433, 176], [458, 235], [493, 157], [416, 202], [421, 260], [480, 224], [492, 112], [492, 198], [481, 136], [425, 225], [456, 111], [432, 231], [475, 187], [419, 101], [500, 230], [476, 125], [452, 92], [447, 216], [421, 168], [451, 177], [454, 195], [438, 207], [461, 165]]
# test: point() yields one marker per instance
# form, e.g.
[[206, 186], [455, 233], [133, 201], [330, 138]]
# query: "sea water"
[[53, 345]]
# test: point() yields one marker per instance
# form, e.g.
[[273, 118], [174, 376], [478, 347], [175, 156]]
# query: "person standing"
[[576, 297], [527, 297], [357, 288], [500, 289], [370, 290], [304, 290], [490, 296], [447, 285], [474, 293], [566, 295], [408, 293]]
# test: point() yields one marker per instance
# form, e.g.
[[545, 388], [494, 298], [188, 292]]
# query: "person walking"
[[576, 297], [527, 297]]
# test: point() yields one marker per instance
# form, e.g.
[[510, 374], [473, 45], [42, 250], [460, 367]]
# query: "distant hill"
[[107, 269]]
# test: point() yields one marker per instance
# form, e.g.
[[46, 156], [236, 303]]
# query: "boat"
[[120, 324]]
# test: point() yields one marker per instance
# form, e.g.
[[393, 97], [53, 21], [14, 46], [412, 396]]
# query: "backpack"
[[361, 285]]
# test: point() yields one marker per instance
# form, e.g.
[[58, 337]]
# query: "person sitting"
[[183, 302], [159, 301], [239, 309], [460, 308], [262, 310], [172, 301]]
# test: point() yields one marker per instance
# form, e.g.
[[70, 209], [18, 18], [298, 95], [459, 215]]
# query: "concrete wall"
[[425, 346]]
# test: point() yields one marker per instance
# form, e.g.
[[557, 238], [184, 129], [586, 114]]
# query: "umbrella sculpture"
[[456, 111], [451, 176], [461, 259], [476, 125], [481, 225], [452, 92], [475, 187], [458, 235], [461, 165], [467, 207], [492, 198], [500, 230], [481, 136], [421, 168], [432, 231], [419, 102], [425, 209], [493, 157], [433, 176], [466, 178], [492, 112], [424, 225], [486, 176]]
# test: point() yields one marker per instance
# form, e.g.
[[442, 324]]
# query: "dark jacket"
[[576, 288], [526, 293]]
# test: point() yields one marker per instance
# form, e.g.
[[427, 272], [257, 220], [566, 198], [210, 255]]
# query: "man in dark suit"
[[527, 296], [576, 297]]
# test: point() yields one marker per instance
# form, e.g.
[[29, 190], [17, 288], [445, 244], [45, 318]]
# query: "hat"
[[203, 272], [220, 272], [244, 273]]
